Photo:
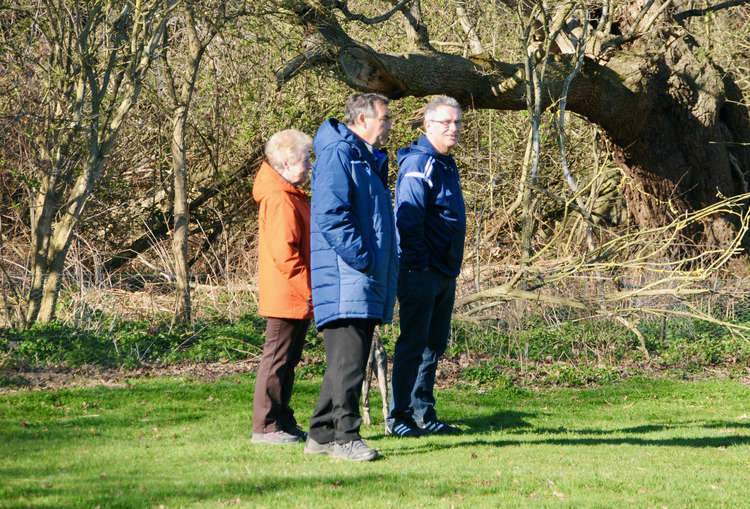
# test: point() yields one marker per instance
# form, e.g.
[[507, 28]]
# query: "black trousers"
[[336, 415], [273, 385]]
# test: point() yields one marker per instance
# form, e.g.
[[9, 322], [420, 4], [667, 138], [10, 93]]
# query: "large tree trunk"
[[685, 153]]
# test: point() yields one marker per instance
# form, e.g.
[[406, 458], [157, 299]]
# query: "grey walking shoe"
[[275, 437], [355, 450], [313, 447]]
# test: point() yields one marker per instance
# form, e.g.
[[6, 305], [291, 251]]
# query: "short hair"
[[441, 100], [289, 145], [362, 103]]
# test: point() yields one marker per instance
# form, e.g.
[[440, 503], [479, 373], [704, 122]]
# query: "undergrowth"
[[129, 344], [572, 353]]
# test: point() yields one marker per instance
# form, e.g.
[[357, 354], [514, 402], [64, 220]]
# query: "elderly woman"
[[283, 282]]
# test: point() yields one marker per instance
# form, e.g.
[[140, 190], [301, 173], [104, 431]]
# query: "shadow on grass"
[[649, 428], [39, 434], [508, 419], [426, 445], [250, 489]]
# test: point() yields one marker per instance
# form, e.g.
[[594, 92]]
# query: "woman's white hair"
[[287, 146]]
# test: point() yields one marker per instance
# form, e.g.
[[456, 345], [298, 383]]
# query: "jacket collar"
[[269, 180], [423, 145]]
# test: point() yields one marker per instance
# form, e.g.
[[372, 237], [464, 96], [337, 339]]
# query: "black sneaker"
[[355, 450], [404, 428], [299, 433], [439, 428], [313, 447]]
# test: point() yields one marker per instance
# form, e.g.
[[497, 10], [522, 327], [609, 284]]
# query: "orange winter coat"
[[283, 247]]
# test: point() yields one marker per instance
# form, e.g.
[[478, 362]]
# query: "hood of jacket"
[[332, 132], [269, 181]]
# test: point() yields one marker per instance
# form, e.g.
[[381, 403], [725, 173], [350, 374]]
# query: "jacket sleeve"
[[332, 199], [412, 194], [285, 241]]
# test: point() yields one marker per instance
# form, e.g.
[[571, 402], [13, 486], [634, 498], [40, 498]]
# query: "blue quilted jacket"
[[354, 261], [430, 210]]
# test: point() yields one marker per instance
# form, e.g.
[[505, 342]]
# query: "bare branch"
[[561, 126], [605, 23], [713, 8], [471, 33], [364, 19], [639, 17], [416, 30], [655, 16], [641, 252]]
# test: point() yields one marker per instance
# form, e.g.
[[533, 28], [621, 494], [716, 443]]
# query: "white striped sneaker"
[[439, 428], [404, 428]]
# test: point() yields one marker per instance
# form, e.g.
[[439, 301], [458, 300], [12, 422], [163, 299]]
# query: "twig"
[[364, 19], [712, 8]]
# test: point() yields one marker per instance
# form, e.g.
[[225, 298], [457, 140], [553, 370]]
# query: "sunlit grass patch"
[[181, 442]]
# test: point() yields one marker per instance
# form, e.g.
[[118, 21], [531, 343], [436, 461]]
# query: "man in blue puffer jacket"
[[431, 224], [354, 265]]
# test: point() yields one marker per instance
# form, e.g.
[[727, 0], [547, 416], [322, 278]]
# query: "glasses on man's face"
[[445, 124]]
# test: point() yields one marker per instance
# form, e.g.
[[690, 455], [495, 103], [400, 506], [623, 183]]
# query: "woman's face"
[[296, 173]]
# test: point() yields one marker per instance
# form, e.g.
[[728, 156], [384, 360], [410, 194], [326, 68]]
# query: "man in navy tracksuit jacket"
[[431, 225], [354, 265]]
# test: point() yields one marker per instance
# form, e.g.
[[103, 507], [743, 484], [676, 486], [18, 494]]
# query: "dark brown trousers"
[[273, 386]]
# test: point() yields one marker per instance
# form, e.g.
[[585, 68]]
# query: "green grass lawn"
[[185, 443]]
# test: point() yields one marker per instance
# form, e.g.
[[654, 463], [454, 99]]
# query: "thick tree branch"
[[605, 93]]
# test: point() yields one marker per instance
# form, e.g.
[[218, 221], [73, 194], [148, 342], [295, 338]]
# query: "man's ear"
[[361, 119]]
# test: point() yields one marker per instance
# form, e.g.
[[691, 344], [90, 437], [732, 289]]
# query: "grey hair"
[[362, 103], [441, 100], [289, 145]]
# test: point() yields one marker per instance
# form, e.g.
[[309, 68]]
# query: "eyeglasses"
[[447, 123]]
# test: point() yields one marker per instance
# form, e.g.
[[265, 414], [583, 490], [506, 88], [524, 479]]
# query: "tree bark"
[[181, 232], [180, 103], [42, 207]]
